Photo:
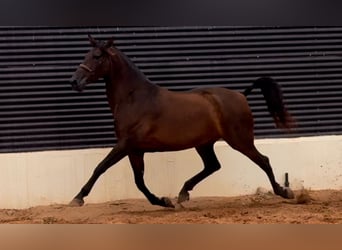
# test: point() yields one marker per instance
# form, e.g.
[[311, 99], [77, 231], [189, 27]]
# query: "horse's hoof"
[[289, 194], [183, 196], [167, 202], [76, 202]]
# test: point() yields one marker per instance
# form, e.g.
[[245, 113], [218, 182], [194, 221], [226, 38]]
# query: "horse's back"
[[218, 105], [230, 102]]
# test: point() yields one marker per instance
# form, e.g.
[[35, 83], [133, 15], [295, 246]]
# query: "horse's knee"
[[211, 164], [215, 166], [211, 167]]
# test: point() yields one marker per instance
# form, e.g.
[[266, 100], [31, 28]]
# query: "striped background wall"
[[39, 111]]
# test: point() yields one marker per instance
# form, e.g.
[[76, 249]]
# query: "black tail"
[[274, 100]]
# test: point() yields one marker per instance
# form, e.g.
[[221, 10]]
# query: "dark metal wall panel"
[[39, 111]]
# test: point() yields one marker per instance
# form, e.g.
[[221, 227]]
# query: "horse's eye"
[[97, 54]]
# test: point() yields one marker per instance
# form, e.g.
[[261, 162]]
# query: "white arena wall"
[[54, 177]]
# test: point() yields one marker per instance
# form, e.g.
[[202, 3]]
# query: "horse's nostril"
[[73, 84], [73, 81]]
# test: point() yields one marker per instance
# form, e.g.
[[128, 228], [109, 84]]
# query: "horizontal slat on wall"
[[39, 111]]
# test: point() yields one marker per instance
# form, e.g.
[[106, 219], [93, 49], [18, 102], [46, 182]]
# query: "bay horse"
[[149, 118]]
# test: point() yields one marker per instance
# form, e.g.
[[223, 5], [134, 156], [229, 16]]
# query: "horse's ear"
[[109, 43], [92, 41]]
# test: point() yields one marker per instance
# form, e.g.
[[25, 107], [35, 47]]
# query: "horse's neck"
[[124, 81]]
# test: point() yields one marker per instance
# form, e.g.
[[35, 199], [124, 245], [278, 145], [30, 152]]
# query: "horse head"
[[95, 65]]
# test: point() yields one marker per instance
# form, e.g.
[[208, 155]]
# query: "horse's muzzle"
[[75, 85]]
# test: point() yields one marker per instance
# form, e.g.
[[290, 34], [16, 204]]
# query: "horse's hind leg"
[[115, 155], [263, 162], [137, 162], [211, 164]]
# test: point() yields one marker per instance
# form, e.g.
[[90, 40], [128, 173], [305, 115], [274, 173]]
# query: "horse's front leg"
[[211, 164], [137, 162], [115, 155]]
